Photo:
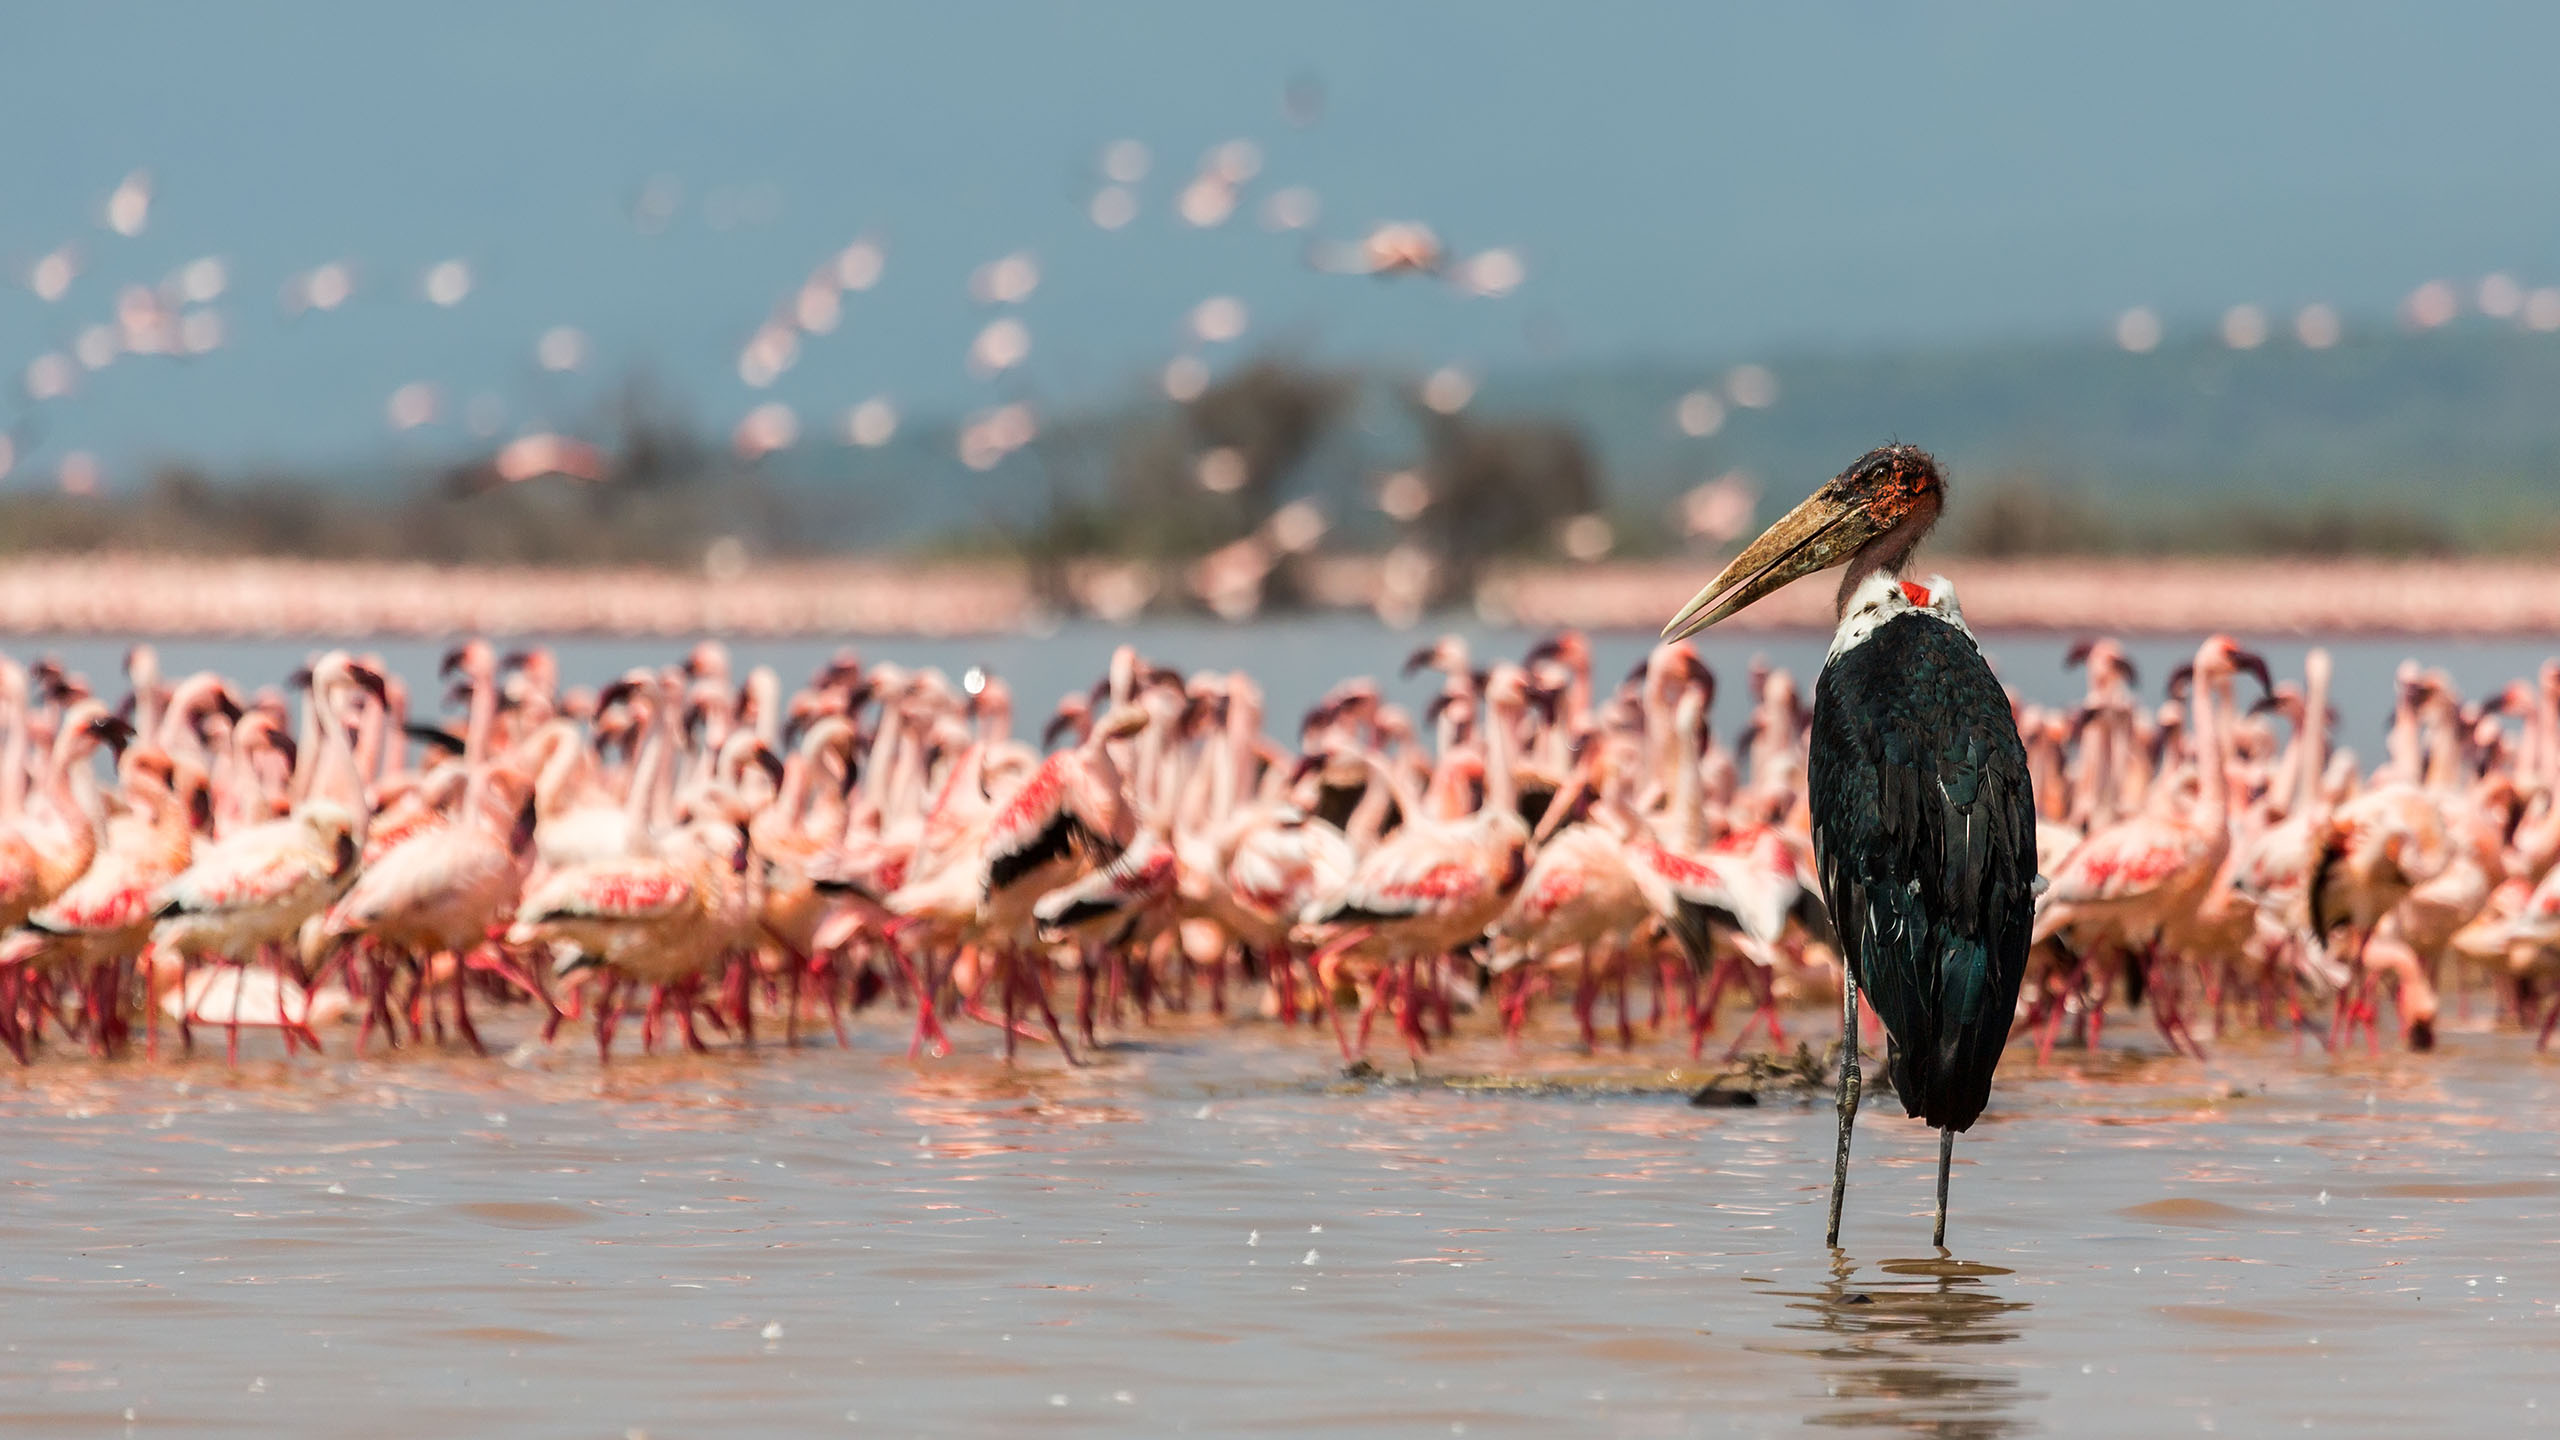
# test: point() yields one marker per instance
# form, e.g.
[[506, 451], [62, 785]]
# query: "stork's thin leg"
[[1084, 992], [1848, 1096], [1946, 1157], [1012, 1005]]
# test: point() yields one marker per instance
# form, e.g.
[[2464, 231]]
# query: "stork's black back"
[[1924, 827]]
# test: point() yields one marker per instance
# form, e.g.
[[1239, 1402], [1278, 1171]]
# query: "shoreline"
[[170, 596]]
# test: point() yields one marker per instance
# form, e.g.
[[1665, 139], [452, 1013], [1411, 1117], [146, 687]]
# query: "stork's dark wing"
[[1924, 826]]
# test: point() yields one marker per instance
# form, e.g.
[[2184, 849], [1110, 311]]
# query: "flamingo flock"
[[712, 852]]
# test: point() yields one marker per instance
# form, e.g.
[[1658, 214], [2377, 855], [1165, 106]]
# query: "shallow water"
[[1211, 1232]]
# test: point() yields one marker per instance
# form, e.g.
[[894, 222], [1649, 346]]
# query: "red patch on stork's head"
[[1916, 593], [1889, 483]]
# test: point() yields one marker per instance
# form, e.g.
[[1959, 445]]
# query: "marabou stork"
[[1924, 823]]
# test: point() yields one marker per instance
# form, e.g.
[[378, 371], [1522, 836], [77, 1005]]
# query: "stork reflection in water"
[[1923, 818]]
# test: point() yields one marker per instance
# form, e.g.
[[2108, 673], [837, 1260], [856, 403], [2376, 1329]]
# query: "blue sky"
[[1686, 182]]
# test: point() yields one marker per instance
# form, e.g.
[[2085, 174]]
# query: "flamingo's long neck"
[[334, 778], [2213, 806], [766, 689], [1577, 784], [365, 745], [142, 672], [644, 769], [2444, 749], [2044, 772], [2091, 804], [2133, 765], [475, 741], [395, 728], [2315, 736], [174, 730], [2547, 706], [1184, 792], [791, 797], [1617, 805], [877, 770], [69, 749], [898, 795], [1445, 732], [1688, 785], [1659, 723], [308, 744], [559, 769], [1235, 774], [2402, 761], [1368, 818], [13, 751], [1501, 791], [1394, 784], [1577, 696]]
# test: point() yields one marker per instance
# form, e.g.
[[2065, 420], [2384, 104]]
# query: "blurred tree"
[[2005, 516], [1214, 471], [1497, 488]]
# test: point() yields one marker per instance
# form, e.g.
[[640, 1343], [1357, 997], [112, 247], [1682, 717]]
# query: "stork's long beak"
[[1822, 532]]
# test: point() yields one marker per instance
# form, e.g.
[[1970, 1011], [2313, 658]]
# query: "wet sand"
[[168, 596], [1212, 1232]]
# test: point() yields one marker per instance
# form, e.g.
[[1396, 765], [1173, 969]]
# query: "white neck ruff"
[[1881, 597]]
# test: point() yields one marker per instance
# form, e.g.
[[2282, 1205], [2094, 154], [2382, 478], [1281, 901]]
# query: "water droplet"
[[773, 1330], [1310, 1260], [1253, 1237]]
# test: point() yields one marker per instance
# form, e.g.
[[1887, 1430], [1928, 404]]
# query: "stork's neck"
[[1889, 552], [1884, 595]]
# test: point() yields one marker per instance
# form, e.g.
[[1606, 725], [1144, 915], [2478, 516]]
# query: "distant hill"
[[2452, 435], [2391, 445], [2461, 426]]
